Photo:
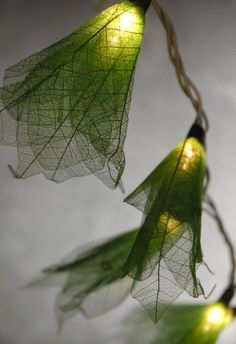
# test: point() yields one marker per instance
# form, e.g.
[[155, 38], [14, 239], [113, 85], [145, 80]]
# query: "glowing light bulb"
[[189, 153], [127, 23], [126, 20], [169, 222], [217, 316]]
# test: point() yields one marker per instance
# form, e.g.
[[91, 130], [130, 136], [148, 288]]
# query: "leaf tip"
[[12, 171]]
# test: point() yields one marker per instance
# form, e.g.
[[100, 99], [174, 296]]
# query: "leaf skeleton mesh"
[[66, 107], [167, 250], [170, 278]]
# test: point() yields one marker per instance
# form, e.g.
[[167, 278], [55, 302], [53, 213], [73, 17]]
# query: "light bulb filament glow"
[[169, 222], [217, 316], [189, 153], [126, 20]]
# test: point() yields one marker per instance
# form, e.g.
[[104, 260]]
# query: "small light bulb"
[[189, 149], [189, 153], [169, 222], [217, 316], [126, 20]]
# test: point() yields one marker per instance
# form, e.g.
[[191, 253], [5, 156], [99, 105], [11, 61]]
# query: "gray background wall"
[[41, 221]]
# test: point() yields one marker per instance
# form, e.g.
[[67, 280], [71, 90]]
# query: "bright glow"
[[189, 154], [115, 40], [169, 222], [126, 20], [217, 316]]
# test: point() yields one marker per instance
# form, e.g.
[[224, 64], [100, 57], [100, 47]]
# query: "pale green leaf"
[[66, 107]]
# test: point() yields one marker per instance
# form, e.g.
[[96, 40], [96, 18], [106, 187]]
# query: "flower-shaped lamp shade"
[[66, 107], [91, 280], [167, 250], [182, 324]]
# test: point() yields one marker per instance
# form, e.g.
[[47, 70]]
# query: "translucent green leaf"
[[91, 282], [182, 324], [167, 250], [66, 107]]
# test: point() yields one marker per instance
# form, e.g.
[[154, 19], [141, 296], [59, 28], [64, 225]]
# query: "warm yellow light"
[[169, 222], [126, 20], [190, 153], [217, 316], [115, 40]]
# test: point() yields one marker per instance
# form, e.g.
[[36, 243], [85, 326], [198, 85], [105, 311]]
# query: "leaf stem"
[[185, 82]]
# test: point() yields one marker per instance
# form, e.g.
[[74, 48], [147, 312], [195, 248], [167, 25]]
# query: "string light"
[[169, 222], [217, 315], [191, 152], [126, 20], [127, 23]]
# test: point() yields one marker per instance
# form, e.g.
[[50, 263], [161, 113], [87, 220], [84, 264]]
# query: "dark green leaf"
[[167, 250], [66, 107]]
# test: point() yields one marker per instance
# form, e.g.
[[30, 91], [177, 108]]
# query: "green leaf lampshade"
[[91, 280], [181, 324], [167, 250], [66, 107], [214, 318]]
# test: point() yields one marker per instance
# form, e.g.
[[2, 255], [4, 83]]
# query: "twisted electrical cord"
[[185, 82], [214, 213], [193, 94]]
